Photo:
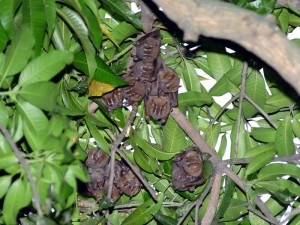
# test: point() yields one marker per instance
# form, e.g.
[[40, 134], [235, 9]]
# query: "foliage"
[[52, 50]]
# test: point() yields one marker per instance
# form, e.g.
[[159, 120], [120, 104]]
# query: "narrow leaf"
[[190, 77], [103, 73], [152, 150], [45, 67], [143, 213], [16, 198], [194, 98], [261, 149], [264, 134], [18, 52], [272, 171], [77, 24], [260, 161], [166, 220], [173, 137], [284, 138], [121, 9]]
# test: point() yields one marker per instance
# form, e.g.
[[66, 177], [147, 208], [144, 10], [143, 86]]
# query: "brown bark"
[[258, 34]]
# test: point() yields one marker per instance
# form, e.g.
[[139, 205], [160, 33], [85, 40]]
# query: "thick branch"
[[258, 34]]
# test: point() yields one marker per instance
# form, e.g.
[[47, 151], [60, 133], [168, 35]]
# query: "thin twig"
[[256, 212], [116, 144], [198, 202], [291, 215], [220, 113], [35, 195], [213, 203], [267, 117], [241, 99]]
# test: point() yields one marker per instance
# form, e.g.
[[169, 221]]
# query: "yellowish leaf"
[[97, 89], [106, 32]]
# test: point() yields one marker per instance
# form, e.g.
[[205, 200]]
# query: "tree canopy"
[[94, 131]]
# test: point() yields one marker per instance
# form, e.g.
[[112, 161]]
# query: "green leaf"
[[194, 98], [223, 146], [4, 184], [258, 150], [7, 160], [35, 124], [235, 210], [33, 15], [254, 219], [74, 20], [173, 137], [190, 77], [255, 89], [42, 94], [153, 150], [260, 161], [7, 15], [295, 126], [264, 134], [213, 134], [122, 31], [272, 171], [17, 197], [283, 19], [143, 214], [233, 75], [18, 52], [103, 73], [3, 38], [280, 185], [219, 64], [142, 160], [50, 13], [284, 138], [241, 140], [45, 67], [4, 114], [166, 220], [280, 100], [120, 8], [101, 142]]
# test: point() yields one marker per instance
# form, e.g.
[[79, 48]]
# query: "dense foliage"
[[51, 51]]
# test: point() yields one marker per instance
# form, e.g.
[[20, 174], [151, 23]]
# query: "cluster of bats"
[[148, 79], [125, 181], [187, 174]]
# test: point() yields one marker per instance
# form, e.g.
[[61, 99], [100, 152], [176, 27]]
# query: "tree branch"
[[213, 203], [36, 197], [258, 34]]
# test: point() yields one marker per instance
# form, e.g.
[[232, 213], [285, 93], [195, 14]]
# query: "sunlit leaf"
[[34, 17], [120, 8], [264, 134], [4, 184], [3, 38], [284, 138], [194, 98], [18, 52], [173, 137], [42, 94], [190, 77], [219, 64], [263, 148], [17, 197], [77, 24], [153, 150], [97, 89], [103, 73], [270, 172], [45, 67], [144, 213], [166, 220], [260, 161]]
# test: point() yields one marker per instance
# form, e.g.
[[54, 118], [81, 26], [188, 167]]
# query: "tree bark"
[[258, 34]]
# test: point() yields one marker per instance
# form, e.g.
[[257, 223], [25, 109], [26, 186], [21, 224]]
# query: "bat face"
[[187, 172]]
